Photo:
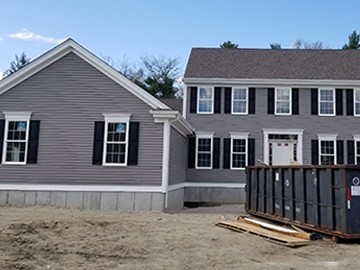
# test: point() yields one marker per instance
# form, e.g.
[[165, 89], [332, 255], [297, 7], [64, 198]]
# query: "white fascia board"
[[272, 82], [71, 46], [176, 120], [39, 187]]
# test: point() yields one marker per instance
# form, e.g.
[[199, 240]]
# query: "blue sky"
[[132, 28]]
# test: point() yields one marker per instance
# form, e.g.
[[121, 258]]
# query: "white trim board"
[[34, 187], [63, 49]]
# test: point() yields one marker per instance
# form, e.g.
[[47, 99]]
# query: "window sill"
[[114, 165]]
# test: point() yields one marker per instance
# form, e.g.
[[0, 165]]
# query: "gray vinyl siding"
[[68, 97], [345, 126], [178, 157]]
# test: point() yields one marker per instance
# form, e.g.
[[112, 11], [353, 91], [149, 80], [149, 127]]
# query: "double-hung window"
[[357, 102], [240, 100], [116, 139], [239, 149], [327, 102], [283, 101], [205, 99], [204, 151], [16, 137], [327, 149]]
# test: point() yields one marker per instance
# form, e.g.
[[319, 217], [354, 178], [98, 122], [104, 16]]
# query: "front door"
[[282, 152]]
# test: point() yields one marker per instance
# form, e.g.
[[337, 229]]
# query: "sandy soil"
[[50, 238]]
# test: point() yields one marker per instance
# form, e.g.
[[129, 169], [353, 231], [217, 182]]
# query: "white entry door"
[[282, 153]]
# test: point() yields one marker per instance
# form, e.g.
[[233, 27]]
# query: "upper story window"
[[357, 102], [327, 102], [205, 99], [16, 138], [204, 151], [116, 139], [283, 101], [240, 100]]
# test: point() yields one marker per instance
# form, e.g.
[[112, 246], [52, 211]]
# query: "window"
[[16, 138], [357, 152], [116, 139], [357, 102], [238, 153], [283, 101], [327, 101], [327, 149], [240, 100], [204, 152], [205, 100]]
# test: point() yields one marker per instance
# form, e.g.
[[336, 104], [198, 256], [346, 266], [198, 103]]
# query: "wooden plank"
[[265, 233], [276, 228]]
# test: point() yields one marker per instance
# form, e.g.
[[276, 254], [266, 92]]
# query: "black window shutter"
[[252, 100], [295, 100], [98, 145], [193, 99], [33, 142], [228, 100], [2, 135], [216, 153], [251, 152], [191, 152], [133, 150], [227, 153], [339, 152], [271, 100], [350, 101], [314, 152], [217, 100], [314, 101], [350, 152], [339, 101]]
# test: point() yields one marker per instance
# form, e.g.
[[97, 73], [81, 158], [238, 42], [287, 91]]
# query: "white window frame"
[[290, 101], [212, 99], [356, 102], [116, 118], [16, 116], [204, 135], [319, 101], [327, 137], [238, 136], [356, 154], [247, 100]]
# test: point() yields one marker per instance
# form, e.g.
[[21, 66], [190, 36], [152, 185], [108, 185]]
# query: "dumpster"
[[321, 198]]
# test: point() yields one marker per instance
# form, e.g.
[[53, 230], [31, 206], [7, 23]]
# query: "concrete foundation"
[[214, 195], [175, 201], [122, 201]]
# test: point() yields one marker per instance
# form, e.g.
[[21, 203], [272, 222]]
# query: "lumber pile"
[[271, 232]]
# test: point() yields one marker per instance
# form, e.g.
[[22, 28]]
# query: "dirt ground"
[[50, 238]]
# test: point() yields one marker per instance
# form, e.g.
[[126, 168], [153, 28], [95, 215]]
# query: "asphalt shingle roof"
[[273, 64]]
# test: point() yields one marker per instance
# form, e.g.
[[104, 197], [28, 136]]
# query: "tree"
[[157, 75], [160, 75], [317, 45], [275, 46], [229, 45], [354, 42], [19, 63]]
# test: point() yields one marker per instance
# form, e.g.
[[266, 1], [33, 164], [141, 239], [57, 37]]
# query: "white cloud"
[[25, 34]]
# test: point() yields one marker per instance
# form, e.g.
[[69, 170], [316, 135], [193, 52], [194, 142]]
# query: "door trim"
[[298, 132]]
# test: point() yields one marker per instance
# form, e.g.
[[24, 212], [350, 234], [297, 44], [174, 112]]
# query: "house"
[[279, 107], [76, 133]]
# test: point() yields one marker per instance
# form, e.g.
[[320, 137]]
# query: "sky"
[[128, 29]]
